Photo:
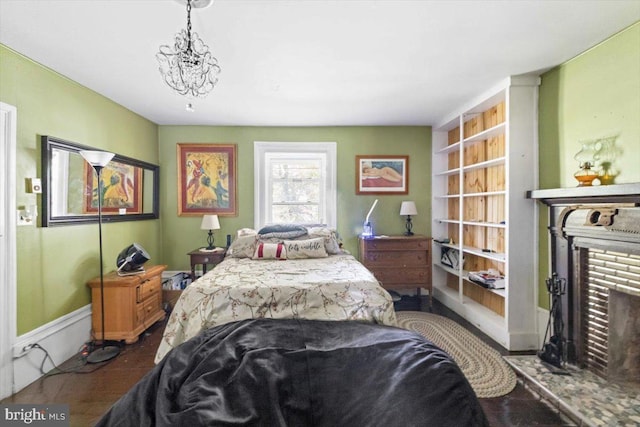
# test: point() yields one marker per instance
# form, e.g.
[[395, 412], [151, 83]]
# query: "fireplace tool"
[[552, 352]]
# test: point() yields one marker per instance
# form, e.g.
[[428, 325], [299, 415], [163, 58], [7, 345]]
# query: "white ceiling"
[[306, 62]]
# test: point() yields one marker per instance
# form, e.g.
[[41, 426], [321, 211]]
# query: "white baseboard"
[[62, 338]]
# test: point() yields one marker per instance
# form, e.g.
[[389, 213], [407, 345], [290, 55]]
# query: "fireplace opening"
[[603, 297], [609, 290]]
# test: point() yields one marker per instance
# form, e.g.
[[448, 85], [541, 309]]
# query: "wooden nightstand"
[[204, 257], [131, 304], [399, 261]]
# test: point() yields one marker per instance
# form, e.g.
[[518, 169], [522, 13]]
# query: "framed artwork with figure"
[[382, 175], [206, 179], [121, 189]]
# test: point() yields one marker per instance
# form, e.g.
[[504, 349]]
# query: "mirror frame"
[[49, 143]]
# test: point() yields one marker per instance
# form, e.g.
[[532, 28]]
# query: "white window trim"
[[260, 150]]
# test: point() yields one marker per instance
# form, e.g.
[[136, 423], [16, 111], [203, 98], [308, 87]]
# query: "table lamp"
[[408, 209], [210, 222]]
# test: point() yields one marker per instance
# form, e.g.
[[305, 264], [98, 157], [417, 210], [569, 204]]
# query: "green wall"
[[593, 95], [55, 263], [183, 234]]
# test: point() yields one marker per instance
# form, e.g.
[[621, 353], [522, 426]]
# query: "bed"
[[334, 287], [299, 372]]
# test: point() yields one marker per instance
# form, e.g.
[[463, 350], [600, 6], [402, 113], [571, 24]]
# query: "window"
[[295, 183]]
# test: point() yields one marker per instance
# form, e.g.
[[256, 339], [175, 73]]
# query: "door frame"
[[8, 228]]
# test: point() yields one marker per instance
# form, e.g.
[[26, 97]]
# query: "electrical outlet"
[[22, 350]]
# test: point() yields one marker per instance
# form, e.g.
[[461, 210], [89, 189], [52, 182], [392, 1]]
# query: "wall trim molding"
[[62, 338]]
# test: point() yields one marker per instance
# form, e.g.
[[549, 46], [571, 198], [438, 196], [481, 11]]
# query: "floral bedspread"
[[334, 288]]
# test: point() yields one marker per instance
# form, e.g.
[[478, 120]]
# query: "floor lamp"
[[98, 160]]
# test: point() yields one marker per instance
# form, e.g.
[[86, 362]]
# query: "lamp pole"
[[98, 160]]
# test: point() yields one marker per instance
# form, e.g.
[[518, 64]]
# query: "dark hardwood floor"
[[89, 395]]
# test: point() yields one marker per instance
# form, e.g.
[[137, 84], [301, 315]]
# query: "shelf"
[[485, 224], [447, 245], [448, 269], [465, 276], [448, 196], [486, 193], [485, 134], [449, 148], [500, 292], [488, 321], [447, 221], [449, 172], [494, 256], [486, 164]]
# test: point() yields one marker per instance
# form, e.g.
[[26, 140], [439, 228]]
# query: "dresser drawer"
[[406, 276], [148, 289], [395, 258], [408, 244]]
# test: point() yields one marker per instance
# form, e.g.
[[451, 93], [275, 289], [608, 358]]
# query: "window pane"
[[305, 214], [295, 169], [295, 191]]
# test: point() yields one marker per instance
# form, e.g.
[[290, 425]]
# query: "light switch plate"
[[34, 185]]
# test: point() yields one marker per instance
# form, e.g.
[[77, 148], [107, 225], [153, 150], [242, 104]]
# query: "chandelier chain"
[[188, 25]]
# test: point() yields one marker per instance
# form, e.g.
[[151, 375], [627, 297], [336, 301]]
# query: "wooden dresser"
[[131, 304], [399, 261]]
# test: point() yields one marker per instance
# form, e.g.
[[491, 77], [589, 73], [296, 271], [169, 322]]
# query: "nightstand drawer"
[[148, 289], [146, 310]]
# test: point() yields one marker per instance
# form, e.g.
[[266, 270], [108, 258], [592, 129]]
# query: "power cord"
[[76, 369]]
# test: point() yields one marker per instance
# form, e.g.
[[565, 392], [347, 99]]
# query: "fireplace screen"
[[608, 283]]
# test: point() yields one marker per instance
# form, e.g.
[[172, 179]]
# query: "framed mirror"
[[130, 187]]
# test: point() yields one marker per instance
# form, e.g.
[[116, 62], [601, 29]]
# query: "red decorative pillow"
[[270, 251]]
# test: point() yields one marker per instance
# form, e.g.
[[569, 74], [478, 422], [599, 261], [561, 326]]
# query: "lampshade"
[[408, 208], [97, 158], [210, 222]]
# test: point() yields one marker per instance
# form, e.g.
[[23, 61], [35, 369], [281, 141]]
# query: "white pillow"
[[247, 232], [311, 248], [330, 237], [270, 251], [243, 247]]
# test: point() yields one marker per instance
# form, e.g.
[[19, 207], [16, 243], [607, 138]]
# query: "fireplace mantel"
[[618, 193]]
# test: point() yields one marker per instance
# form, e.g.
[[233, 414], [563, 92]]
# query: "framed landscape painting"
[[382, 174], [206, 179]]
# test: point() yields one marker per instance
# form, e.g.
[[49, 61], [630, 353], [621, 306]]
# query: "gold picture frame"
[[207, 179]]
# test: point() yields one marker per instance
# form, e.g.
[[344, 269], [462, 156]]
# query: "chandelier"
[[188, 67]]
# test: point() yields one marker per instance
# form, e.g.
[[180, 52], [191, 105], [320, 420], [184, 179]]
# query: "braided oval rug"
[[484, 368]]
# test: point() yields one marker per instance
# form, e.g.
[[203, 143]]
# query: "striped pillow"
[[270, 251]]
